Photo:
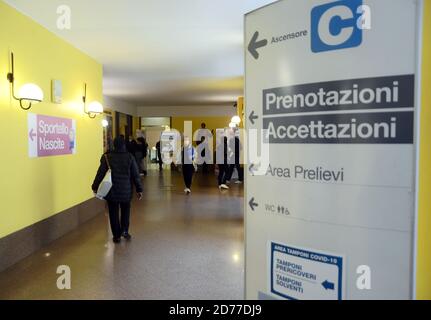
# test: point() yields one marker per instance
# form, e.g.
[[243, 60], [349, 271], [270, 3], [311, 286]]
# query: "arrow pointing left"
[[253, 168], [328, 285], [32, 134], [252, 204], [256, 44], [253, 117]]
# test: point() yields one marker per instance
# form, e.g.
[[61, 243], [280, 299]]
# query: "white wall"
[[155, 121], [153, 135], [181, 111], [119, 105], [167, 111]]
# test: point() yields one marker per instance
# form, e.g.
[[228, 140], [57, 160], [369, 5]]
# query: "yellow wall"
[[122, 124], [136, 126], [212, 123], [424, 224], [34, 189], [240, 111]]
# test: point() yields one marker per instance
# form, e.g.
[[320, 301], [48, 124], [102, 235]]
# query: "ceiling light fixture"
[[29, 92]]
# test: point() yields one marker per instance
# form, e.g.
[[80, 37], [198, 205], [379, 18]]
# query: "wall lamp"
[[94, 108], [236, 120], [29, 92]]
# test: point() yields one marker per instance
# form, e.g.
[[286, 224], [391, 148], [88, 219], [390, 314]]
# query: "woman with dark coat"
[[124, 175]]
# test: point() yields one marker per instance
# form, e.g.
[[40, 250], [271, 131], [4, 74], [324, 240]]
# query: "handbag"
[[106, 184]]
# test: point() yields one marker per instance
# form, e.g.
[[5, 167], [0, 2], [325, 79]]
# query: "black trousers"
[[204, 167], [238, 168], [188, 171], [160, 161], [222, 173], [119, 225]]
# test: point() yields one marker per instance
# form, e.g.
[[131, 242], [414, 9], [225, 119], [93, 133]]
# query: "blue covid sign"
[[336, 25], [304, 274]]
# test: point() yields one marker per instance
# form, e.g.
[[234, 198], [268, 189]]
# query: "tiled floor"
[[183, 247]]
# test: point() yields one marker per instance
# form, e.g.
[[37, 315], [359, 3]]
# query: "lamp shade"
[[236, 119], [232, 125], [31, 92], [95, 107]]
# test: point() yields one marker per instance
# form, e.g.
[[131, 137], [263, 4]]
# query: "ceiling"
[[157, 52]]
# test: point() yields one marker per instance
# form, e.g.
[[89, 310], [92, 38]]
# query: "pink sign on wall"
[[50, 136]]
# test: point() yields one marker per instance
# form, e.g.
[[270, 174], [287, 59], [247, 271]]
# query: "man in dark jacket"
[[141, 155], [235, 149], [159, 155], [124, 175], [221, 158]]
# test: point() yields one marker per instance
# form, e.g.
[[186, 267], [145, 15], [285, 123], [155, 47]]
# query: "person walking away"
[[136, 151], [130, 142], [204, 139], [143, 152], [125, 175], [221, 157], [235, 149], [188, 158], [203, 142], [159, 156]]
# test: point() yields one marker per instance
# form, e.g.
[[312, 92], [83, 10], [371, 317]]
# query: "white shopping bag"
[[106, 184]]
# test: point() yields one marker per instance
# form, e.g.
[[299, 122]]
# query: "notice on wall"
[[330, 85], [303, 274], [50, 136]]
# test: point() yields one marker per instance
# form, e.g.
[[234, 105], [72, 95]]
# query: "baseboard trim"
[[20, 244]]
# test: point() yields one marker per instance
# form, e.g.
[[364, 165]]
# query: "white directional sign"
[[333, 84]]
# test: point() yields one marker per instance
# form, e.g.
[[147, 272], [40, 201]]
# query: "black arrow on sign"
[[253, 117], [254, 45], [252, 204], [253, 168]]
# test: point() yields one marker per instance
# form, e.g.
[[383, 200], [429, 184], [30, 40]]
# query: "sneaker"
[[187, 191], [126, 236], [223, 186], [227, 181], [238, 182], [116, 240]]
